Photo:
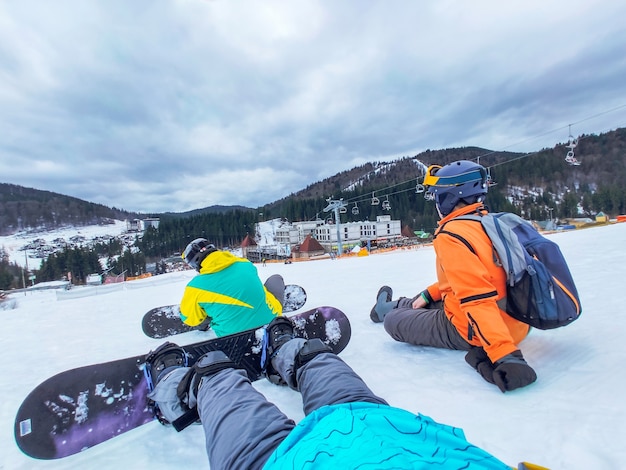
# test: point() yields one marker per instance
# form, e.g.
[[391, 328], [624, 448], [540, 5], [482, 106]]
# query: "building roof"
[[407, 232], [248, 241], [310, 244]]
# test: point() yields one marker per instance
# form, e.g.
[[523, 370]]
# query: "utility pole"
[[334, 205]]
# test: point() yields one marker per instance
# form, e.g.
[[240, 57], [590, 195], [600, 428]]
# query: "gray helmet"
[[196, 251], [462, 180]]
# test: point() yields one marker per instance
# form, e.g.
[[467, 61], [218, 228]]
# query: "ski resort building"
[[141, 225], [290, 237]]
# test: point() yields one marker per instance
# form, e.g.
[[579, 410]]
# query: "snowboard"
[[80, 408], [162, 322]]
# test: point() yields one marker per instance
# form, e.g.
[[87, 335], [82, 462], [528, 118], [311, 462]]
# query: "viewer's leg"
[[241, 427], [320, 375], [327, 380]]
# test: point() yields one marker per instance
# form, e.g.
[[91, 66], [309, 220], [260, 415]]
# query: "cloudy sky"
[[172, 105]]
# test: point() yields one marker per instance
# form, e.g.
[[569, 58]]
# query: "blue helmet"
[[458, 181], [196, 251]]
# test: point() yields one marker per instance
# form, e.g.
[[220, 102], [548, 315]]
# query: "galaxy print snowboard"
[[80, 408]]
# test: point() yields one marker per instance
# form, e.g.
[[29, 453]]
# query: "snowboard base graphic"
[[80, 408], [162, 322]]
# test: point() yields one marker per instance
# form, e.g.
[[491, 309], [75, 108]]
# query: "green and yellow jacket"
[[228, 290]]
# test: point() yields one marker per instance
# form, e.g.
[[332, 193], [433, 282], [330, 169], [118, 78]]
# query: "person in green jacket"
[[227, 294], [346, 425]]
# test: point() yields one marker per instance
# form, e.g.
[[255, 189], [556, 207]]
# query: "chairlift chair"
[[355, 209], [571, 145], [375, 200], [386, 205]]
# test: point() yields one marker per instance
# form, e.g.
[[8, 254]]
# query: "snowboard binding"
[[166, 356]]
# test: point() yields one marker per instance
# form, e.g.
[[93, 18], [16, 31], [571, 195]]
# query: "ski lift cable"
[[588, 118], [360, 199]]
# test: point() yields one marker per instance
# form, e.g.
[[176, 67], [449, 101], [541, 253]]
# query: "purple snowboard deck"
[[80, 408]]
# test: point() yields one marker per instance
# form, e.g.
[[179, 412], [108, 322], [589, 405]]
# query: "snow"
[[13, 243], [573, 417]]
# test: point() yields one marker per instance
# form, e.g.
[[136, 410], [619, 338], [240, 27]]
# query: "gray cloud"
[[179, 104]]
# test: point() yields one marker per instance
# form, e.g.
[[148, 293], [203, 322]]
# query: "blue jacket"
[[229, 291], [371, 436]]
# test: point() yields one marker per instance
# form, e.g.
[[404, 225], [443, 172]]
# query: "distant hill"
[[23, 208], [217, 209], [528, 183], [603, 162]]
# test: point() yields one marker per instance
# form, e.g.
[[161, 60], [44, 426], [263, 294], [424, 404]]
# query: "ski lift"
[[571, 145], [490, 181], [419, 188], [375, 200], [343, 210], [386, 205], [355, 209]]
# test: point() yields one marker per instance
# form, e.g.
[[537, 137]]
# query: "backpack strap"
[[476, 217], [473, 217]]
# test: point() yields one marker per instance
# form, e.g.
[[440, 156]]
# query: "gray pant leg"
[[423, 327], [327, 380], [276, 285], [242, 429]]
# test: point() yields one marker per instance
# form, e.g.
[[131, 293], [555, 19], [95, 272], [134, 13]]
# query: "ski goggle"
[[431, 178]]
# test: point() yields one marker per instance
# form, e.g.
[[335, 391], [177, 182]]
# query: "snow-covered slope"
[[573, 417]]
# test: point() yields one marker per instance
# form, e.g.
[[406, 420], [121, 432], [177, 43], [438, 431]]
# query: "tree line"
[[12, 275]]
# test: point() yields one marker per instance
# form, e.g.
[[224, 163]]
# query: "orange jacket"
[[470, 283]]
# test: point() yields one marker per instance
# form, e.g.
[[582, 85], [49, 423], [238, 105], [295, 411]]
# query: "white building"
[[384, 229], [140, 225]]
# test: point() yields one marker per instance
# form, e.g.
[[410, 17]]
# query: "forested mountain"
[[24, 208], [537, 185]]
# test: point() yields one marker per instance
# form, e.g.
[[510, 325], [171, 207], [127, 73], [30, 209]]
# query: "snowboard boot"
[[383, 305], [293, 355], [278, 332], [163, 369], [284, 353], [162, 360], [175, 393], [208, 364]]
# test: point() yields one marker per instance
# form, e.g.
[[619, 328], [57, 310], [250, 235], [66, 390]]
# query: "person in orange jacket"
[[464, 309]]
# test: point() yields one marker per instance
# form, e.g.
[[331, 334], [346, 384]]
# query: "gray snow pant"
[[276, 286], [243, 429], [423, 326]]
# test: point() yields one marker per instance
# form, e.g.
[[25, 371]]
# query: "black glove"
[[513, 372], [478, 359]]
